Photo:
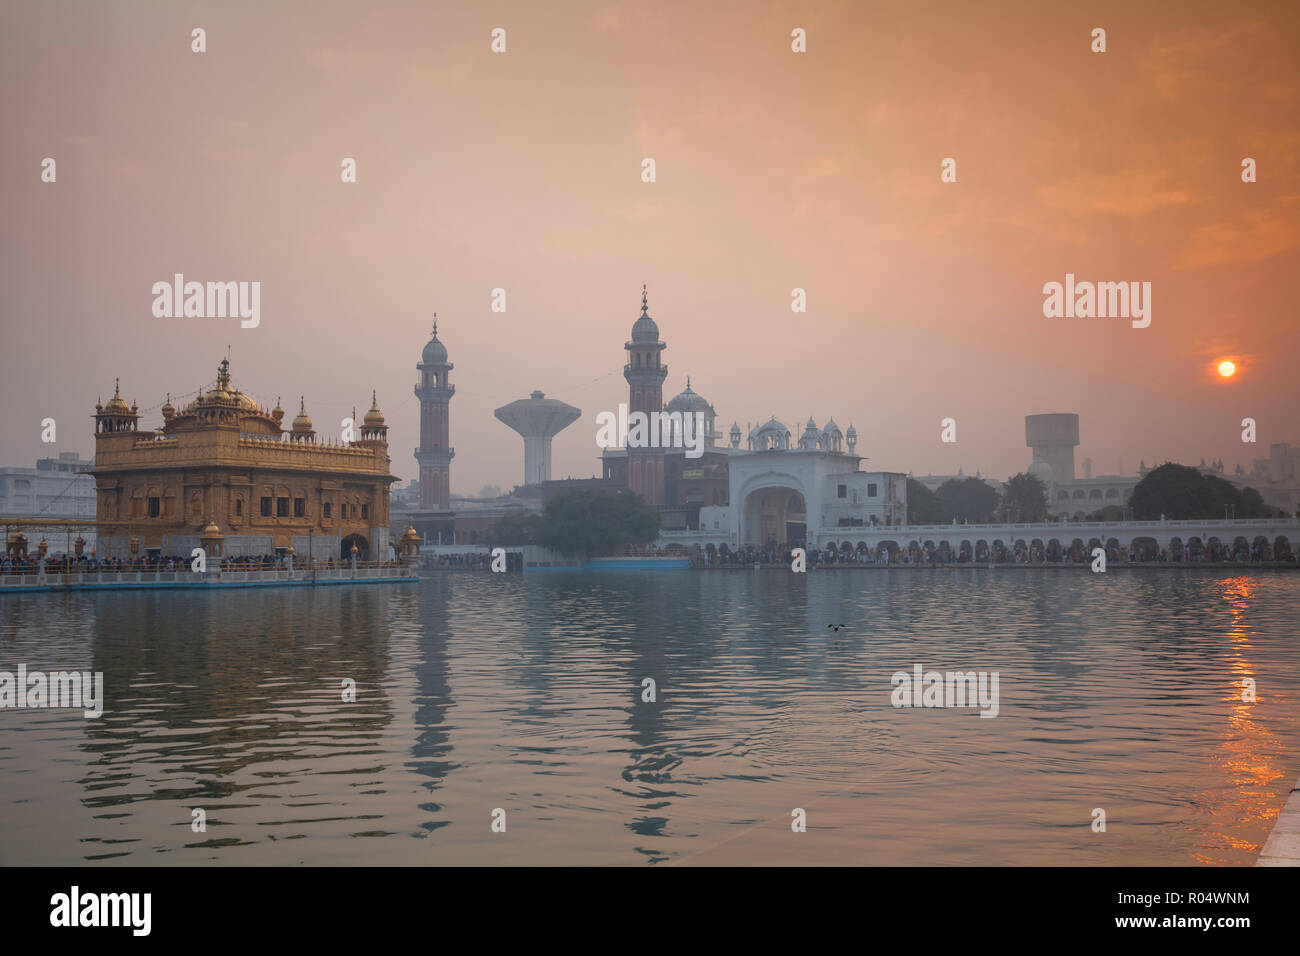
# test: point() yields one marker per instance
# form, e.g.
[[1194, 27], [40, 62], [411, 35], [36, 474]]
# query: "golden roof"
[[301, 423], [374, 417], [116, 404]]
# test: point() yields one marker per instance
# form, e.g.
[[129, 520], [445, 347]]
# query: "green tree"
[[517, 528], [968, 499], [1174, 491], [585, 523], [1024, 499], [924, 506], [1180, 492], [1108, 513], [1252, 506]]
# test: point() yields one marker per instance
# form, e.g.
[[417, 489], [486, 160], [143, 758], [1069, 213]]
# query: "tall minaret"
[[435, 452], [645, 376]]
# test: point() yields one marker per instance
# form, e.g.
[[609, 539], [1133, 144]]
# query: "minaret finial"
[[117, 386], [688, 382], [435, 325], [644, 306], [302, 404], [374, 397]]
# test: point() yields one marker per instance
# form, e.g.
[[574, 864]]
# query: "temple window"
[[266, 507], [282, 507], [299, 507]]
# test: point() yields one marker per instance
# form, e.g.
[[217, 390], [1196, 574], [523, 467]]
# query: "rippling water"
[[523, 692]]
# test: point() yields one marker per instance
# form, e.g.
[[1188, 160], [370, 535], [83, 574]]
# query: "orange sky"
[[775, 170]]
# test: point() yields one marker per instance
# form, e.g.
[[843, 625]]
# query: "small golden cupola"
[[277, 413], [117, 403], [116, 416], [168, 409], [409, 543], [302, 427], [373, 427]]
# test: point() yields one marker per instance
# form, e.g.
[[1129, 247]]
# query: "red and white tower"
[[645, 376], [435, 453]]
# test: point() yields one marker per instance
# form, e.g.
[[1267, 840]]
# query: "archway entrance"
[[363, 547], [775, 516]]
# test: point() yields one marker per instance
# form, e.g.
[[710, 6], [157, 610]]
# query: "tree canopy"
[[586, 523], [968, 499], [517, 528], [1180, 492], [1024, 498], [924, 506]]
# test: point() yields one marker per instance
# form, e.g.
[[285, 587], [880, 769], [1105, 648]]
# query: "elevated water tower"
[[538, 419], [1053, 439]]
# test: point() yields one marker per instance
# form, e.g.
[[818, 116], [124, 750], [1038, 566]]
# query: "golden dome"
[[168, 409], [210, 530], [301, 423], [223, 394], [247, 404], [116, 404], [410, 534], [217, 396], [277, 413], [374, 417]]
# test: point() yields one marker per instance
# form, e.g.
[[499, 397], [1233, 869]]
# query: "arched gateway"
[[775, 515]]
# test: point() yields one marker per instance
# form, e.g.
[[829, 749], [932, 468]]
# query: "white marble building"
[[806, 491]]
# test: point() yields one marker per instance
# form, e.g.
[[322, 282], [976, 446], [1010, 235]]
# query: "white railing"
[[1289, 522], [209, 578]]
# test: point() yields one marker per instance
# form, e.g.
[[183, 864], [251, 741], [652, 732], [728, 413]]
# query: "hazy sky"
[[775, 170]]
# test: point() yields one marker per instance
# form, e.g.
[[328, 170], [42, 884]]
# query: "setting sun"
[[1227, 369]]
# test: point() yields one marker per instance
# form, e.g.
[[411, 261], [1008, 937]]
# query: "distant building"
[[223, 469], [777, 489], [55, 488], [935, 482], [1276, 478], [1053, 439], [537, 419], [434, 520], [476, 517], [68, 462], [645, 374]]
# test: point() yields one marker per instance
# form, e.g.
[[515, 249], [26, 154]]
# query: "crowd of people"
[[460, 562], [771, 554], [774, 554], [58, 563]]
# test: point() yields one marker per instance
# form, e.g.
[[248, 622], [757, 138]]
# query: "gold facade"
[[225, 460]]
